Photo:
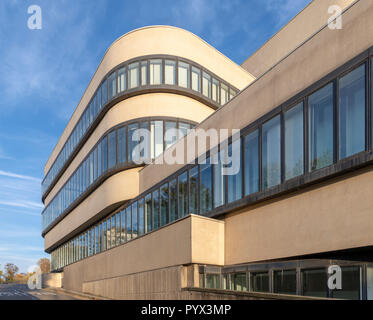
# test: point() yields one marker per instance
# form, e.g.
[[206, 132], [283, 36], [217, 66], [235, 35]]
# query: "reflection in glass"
[[183, 195], [193, 190], [251, 158]]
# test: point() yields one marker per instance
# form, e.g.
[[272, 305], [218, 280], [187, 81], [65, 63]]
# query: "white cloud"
[[19, 176]]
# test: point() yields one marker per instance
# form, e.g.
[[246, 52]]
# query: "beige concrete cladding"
[[117, 188], [293, 34], [319, 56], [334, 216], [156, 40], [148, 105], [172, 245]]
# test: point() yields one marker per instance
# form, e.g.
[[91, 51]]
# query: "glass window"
[[219, 183], [206, 85], [122, 145], [104, 92], [213, 281], [132, 144], [183, 70], [99, 99], [193, 190], [133, 75], [224, 94], [321, 116], [164, 204], [144, 73], [183, 195], [173, 200], [251, 162], [184, 128], [314, 283], [123, 226], [206, 187], [135, 227], [122, 79], [129, 223], [112, 85], [156, 134], [352, 102], [239, 280], [91, 170], [215, 90], [112, 149], [118, 228], [351, 284], [148, 212], [285, 282], [141, 217], [156, 72], [232, 93], [196, 79], [170, 72], [108, 233], [259, 282], [234, 180], [294, 142], [99, 159], [104, 154], [156, 209], [113, 232], [171, 136], [271, 152]]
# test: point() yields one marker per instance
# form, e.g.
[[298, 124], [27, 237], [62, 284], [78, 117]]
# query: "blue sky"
[[43, 74]]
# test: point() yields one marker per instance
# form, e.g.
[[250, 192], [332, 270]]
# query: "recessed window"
[[206, 187], [183, 71], [156, 207], [314, 283], [156, 72], [122, 80], [164, 204], [112, 85], [104, 154], [294, 142], [141, 217], [173, 200], [112, 150], [135, 226], [285, 282], [219, 183], [144, 73], [170, 72], [118, 228], [183, 195], [148, 212], [271, 150], [352, 95], [321, 115], [122, 145], [234, 180], [123, 226], [132, 154], [133, 75], [206, 85], [215, 90], [351, 284], [156, 135], [224, 94], [104, 92], [196, 79], [251, 162], [129, 223], [193, 190]]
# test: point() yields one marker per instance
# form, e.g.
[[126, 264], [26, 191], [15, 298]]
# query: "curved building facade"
[[298, 203]]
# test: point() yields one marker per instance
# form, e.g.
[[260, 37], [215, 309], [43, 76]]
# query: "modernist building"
[[301, 201]]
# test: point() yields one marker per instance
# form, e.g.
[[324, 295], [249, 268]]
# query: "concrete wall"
[[52, 280], [156, 40], [171, 246], [294, 33]]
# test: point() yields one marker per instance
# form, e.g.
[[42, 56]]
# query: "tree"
[[44, 265], [10, 271]]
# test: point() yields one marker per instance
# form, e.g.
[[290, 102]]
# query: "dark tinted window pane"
[[239, 280], [259, 282], [118, 229], [234, 180], [104, 154], [112, 86], [320, 125], [213, 281], [352, 113], [129, 223], [294, 142], [141, 217], [193, 190], [164, 204], [183, 195], [122, 141], [135, 226], [314, 283], [156, 209], [104, 236], [272, 153], [132, 144], [284, 282], [113, 231], [170, 133], [219, 183], [123, 226], [351, 284], [251, 158], [206, 187], [104, 92], [148, 212], [112, 150], [173, 200]]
